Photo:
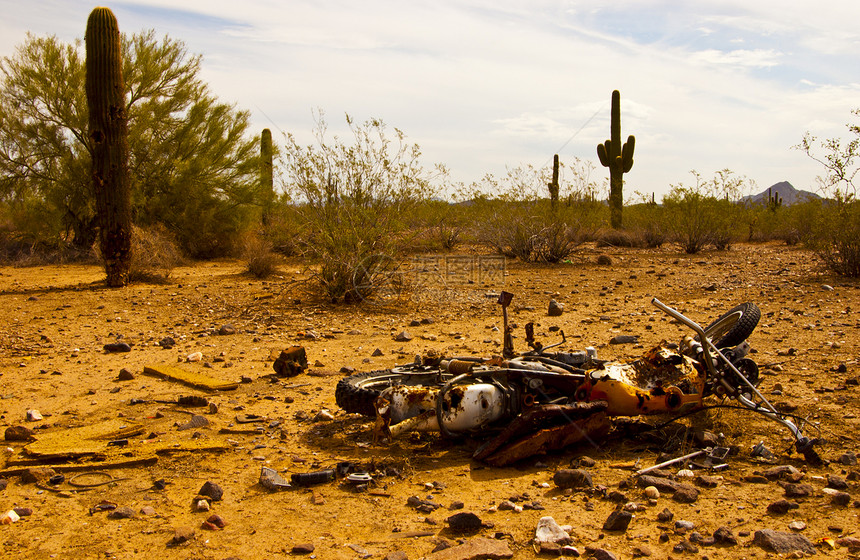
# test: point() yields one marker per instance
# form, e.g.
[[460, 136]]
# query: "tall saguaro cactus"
[[619, 160], [108, 136], [267, 182], [553, 187]]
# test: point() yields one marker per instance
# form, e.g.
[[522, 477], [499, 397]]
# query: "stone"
[[836, 482], [37, 474], [291, 362], [782, 542], [33, 415], [113, 347], [851, 543], [125, 375], [377, 353], [641, 550], [147, 510], [685, 494], [665, 516], [624, 339], [475, 549], [226, 330], [604, 260], [548, 531], [651, 492], [555, 308], [602, 554], [797, 525], [464, 522], [123, 512], [403, 336], [304, 548], [18, 433], [572, 478], [216, 520], [167, 342], [618, 520], [798, 490], [182, 535], [780, 471], [706, 481], [396, 555], [211, 490], [196, 421], [841, 499], [782, 506], [724, 535]]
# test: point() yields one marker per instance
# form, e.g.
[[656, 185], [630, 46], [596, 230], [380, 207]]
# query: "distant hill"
[[786, 192]]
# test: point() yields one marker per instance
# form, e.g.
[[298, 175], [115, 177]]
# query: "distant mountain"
[[786, 192]]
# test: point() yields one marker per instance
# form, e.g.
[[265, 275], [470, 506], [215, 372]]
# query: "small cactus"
[[108, 137], [267, 185], [618, 158], [553, 187], [774, 201]]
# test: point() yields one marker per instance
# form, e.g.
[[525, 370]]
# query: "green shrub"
[[835, 235]]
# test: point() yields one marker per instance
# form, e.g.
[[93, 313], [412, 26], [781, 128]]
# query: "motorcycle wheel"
[[734, 326], [357, 393]]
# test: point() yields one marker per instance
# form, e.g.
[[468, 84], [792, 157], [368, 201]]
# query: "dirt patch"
[[56, 321]]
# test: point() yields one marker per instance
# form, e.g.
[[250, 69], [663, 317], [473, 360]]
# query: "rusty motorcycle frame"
[[538, 400]]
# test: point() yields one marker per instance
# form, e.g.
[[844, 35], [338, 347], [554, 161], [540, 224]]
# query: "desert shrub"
[[285, 231], [355, 200], [696, 219], [619, 238], [532, 232], [835, 235], [258, 254], [154, 254]]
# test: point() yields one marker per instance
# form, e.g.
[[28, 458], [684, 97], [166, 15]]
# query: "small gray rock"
[[403, 336], [618, 520], [783, 543], [782, 506], [124, 512], [555, 308], [624, 339], [211, 490], [572, 478], [464, 522]]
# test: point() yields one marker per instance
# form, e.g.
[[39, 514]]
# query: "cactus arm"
[[603, 154], [627, 154]]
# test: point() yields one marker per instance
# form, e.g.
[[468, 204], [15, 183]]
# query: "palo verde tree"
[[619, 160], [192, 165], [108, 135]]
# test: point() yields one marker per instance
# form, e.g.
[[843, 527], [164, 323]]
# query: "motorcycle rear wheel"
[[734, 326]]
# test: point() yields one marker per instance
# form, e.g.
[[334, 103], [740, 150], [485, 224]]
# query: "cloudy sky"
[[484, 85]]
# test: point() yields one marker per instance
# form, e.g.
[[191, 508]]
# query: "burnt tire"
[[357, 393], [734, 326]]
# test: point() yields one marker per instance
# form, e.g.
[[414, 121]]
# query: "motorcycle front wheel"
[[734, 326], [357, 393]]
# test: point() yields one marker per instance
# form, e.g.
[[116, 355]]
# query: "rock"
[[37, 474], [782, 506], [226, 330], [33, 415], [782, 543], [403, 336], [548, 531], [181, 535], [798, 490], [464, 522], [3, 484], [196, 421], [706, 481], [304, 548], [18, 433], [147, 510], [167, 342], [555, 308], [396, 555], [618, 520], [194, 357], [624, 339], [851, 543], [377, 353], [216, 520], [685, 494], [641, 550], [211, 490], [724, 535], [572, 478], [652, 493], [833, 481], [474, 549], [271, 480], [685, 546], [323, 415], [841, 499], [112, 347], [9, 517], [124, 512], [683, 525], [781, 471], [604, 260], [125, 375], [797, 525], [602, 554], [849, 458], [583, 461], [665, 516]]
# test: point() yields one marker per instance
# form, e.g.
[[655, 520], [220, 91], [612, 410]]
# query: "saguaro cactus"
[[619, 160], [553, 187], [267, 184], [108, 136]]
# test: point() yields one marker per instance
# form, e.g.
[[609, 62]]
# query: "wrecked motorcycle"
[[542, 400]]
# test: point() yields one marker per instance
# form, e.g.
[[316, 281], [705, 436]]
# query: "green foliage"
[[191, 165], [618, 158], [707, 213], [835, 234], [356, 199]]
